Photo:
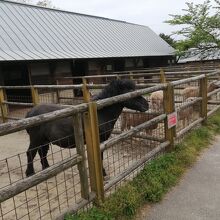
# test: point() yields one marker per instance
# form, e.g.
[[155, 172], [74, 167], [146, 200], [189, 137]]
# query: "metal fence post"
[[169, 107], [80, 148], [93, 152], [35, 95], [3, 107], [203, 84]]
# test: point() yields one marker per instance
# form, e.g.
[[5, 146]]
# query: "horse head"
[[138, 103], [118, 87]]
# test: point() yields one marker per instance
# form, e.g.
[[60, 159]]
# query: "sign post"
[[171, 119]]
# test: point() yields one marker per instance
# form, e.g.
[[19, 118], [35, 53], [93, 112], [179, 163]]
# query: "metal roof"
[[195, 55], [29, 32]]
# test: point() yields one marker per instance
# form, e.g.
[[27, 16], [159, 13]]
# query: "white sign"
[[172, 120]]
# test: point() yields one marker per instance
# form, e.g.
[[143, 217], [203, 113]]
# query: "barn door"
[[79, 69], [16, 75]]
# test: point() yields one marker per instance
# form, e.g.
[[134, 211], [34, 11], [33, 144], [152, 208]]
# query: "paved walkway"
[[197, 196]]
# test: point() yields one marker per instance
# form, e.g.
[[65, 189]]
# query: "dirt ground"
[[35, 203], [46, 200]]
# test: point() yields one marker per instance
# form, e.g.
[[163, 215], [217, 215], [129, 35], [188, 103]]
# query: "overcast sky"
[[151, 13]]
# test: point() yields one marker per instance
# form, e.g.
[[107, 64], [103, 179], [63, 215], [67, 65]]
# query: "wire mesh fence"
[[48, 198], [121, 156], [17, 105], [187, 111], [59, 96]]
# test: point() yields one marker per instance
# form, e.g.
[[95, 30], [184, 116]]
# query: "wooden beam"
[[80, 148], [93, 152], [35, 95], [169, 107], [11, 127], [4, 110], [203, 84]]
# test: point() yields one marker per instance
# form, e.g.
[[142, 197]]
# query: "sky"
[[151, 13]]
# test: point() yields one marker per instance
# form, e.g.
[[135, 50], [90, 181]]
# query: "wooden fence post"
[[169, 107], [86, 94], [203, 84], [93, 152], [80, 148], [35, 95], [58, 95], [131, 77], [58, 92], [162, 76], [3, 107]]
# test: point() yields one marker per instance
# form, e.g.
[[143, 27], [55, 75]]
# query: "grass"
[[157, 177]]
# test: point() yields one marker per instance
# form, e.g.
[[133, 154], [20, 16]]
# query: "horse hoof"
[[29, 173], [45, 166]]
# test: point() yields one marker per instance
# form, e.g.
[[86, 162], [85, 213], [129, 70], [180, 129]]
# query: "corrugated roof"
[[195, 55], [30, 32]]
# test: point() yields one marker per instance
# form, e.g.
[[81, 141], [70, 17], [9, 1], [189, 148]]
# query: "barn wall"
[[40, 73], [150, 62], [129, 63], [96, 68], [140, 63], [204, 62], [46, 72], [15, 74], [1, 76], [62, 69]]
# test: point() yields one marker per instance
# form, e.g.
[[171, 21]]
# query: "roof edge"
[[62, 10]]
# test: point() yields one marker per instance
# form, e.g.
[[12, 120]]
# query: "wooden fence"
[[15, 107], [88, 161]]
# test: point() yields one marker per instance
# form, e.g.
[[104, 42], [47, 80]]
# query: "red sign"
[[172, 120]]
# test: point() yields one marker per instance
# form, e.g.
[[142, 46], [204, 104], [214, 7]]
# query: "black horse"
[[60, 132]]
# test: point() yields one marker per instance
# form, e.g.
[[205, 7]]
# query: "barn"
[[195, 57], [39, 45]]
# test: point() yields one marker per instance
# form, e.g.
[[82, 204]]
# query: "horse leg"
[[31, 153], [42, 151]]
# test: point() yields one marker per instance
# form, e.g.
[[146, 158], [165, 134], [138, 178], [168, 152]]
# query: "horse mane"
[[115, 87]]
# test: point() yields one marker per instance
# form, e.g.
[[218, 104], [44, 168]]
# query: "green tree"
[[168, 39], [200, 29]]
